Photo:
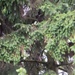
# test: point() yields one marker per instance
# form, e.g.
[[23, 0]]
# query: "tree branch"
[[34, 61], [45, 63], [63, 64], [62, 69]]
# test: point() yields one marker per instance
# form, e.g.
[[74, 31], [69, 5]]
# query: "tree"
[[28, 41]]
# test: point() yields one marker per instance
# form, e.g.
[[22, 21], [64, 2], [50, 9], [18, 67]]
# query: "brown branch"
[[34, 61], [45, 63], [64, 64], [62, 69]]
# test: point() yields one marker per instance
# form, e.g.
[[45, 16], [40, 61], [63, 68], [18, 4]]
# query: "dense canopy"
[[37, 36]]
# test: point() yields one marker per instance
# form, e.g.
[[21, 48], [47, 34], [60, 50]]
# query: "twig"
[[34, 61], [63, 69]]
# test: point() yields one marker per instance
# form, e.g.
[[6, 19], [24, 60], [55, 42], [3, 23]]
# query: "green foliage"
[[59, 26], [21, 71], [52, 9], [9, 49], [50, 72], [56, 32], [10, 9]]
